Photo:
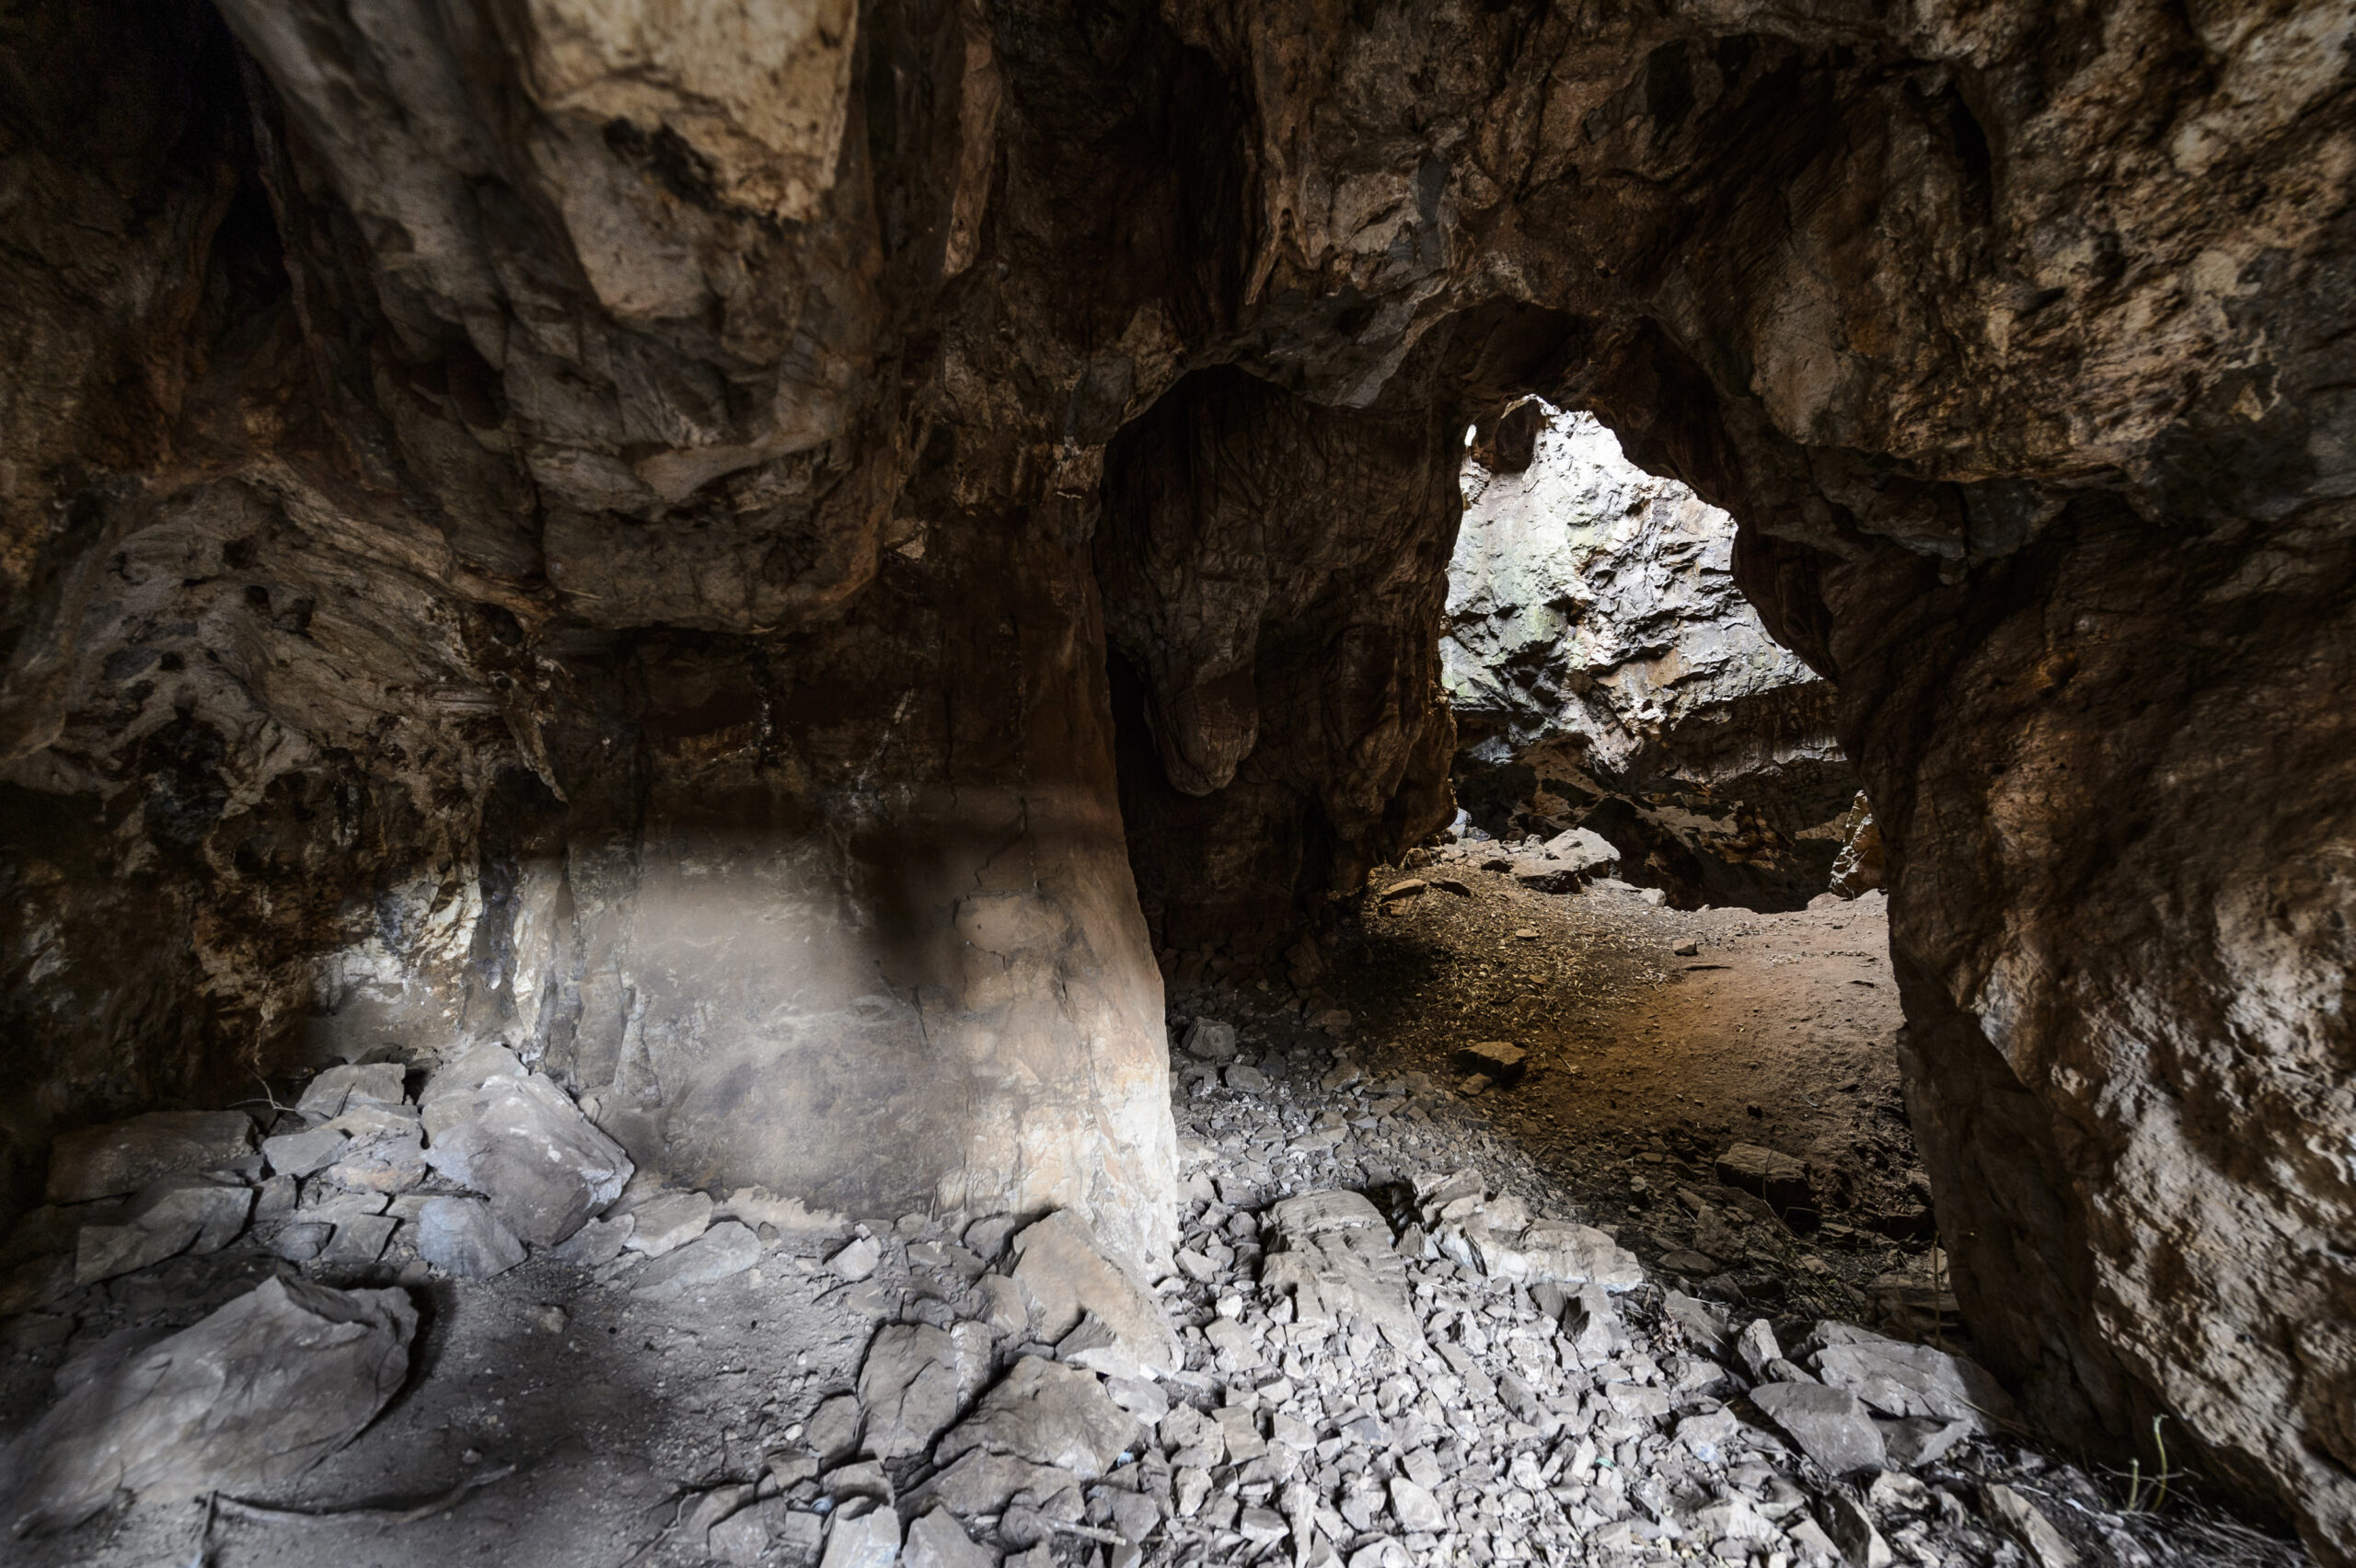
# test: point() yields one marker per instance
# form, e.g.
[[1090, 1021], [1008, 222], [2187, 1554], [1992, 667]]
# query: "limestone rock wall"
[[1592, 601], [486, 477], [459, 644], [1596, 644]]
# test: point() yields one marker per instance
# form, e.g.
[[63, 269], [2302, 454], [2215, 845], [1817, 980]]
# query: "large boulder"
[[519, 1140], [249, 1398]]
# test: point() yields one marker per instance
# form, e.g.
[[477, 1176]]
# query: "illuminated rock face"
[[1596, 644], [539, 522]]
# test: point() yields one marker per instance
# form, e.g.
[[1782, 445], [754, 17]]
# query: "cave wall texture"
[[1607, 673], [605, 525]]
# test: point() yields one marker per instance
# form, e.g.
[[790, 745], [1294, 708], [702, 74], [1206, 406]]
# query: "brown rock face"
[[519, 523]]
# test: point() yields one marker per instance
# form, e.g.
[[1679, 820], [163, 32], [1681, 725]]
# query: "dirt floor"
[[1775, 1030]]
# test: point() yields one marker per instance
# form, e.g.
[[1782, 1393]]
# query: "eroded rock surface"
[[1604, 669], [518, 529]]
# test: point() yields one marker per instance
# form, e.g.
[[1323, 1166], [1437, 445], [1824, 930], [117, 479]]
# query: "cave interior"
[[808, 571]]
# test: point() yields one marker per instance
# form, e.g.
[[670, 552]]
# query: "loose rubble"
[[1387, 1337]]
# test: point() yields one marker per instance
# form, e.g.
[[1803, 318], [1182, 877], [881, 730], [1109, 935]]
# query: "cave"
[[779, 595]]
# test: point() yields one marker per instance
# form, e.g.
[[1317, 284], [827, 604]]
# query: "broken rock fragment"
[[726, 1249], [664, 1220], [596, 1244], [1495, 1235], [1500, 1061], [1208, 1039], [1909, 1380], [178, 1214], [329, 1095], [1047, 1413], [938, 1540], [909, 1386], [517, 1139], [868, 1541], [1566, 862], [253, 1395], [1830, 1425], [857, 1260], [1332, 1253], [1781, 1180], [124, 1157], [299, 1153], [462, 1238], [2021, 1519], [1064, 1272], [982, 1483]]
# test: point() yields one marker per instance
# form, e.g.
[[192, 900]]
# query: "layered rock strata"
[[456, 442]]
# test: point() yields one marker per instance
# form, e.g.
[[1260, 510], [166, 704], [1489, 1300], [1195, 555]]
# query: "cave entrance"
[[1619, 977], [1610, 682]]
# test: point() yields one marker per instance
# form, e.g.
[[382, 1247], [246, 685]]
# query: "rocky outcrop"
[[1605, 671], [1593, 604], [525, 524]]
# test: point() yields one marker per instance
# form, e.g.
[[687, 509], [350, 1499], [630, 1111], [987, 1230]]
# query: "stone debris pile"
[[1384, 1338], [1419, 1371], [490, 1162]]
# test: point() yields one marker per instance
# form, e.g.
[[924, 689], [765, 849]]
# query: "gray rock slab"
[[857, 1260], [1830, 1425], [122, 1156], [1554, 1249], [981, 1482], [742, 1539], [1208, 1039], [299, 1153], [448, 1094], [908, 1388], [2021, 1519], [1500, 1061], [461, 1237], [1064, 1271], [300, 1242], [1764, 1172], [832, 1433], [1332, 1252], [1050, 1415], [217, 1209], [527, 1149], [871, 1540], [393, 1164], [1415, 1509], [1917, 1441], [251, 1397], [1756, 1346], [360, 1238], [668, 1220], [938, 1540], [1900, 1380], [102, 1251], [726, 1248], [596, 1244], [329, 1094]]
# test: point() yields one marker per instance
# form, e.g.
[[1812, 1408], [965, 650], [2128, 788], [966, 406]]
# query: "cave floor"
[[554, 1417], [1656, 1032]]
